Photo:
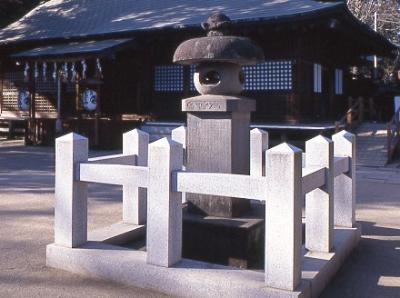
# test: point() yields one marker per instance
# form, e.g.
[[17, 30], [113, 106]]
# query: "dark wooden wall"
[[128, 85]]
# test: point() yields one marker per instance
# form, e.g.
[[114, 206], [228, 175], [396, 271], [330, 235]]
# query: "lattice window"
[[44, 96], [270, 75], [46, 92], [48, 86], [12, 84], [168, 78]]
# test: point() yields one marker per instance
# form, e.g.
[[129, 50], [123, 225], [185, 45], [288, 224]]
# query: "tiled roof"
[[79, 18]]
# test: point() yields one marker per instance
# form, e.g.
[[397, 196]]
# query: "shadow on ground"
[[373, 268]]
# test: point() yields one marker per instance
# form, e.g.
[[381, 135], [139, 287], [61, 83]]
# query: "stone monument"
[[219, 229], [218, 120]]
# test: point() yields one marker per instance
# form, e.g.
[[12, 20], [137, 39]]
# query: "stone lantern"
[[218, 121]]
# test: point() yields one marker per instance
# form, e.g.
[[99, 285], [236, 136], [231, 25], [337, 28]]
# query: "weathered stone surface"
[[134, 202], [345, 184], [164, 220], [218, 48], [179, 135], [70, 218], [218, 142], [283, 226], [191, 278], [218, 103], [319, 202], [259, 143], [188, 278]]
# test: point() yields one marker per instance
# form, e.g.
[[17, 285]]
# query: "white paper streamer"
[[26, 72], [84, 69], [55, 71], [65, 71], [44, 71], [73, 72], [99, 68], [36, 73]]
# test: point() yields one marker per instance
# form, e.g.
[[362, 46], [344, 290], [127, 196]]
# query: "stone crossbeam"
[[342, 165], [229, 185], [115, 159], [313, 177], [249, 187], [121, 174]]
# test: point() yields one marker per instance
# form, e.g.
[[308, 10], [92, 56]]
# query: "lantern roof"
[[217, 46]]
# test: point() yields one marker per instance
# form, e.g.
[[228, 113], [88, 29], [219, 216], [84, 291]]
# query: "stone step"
[[372, 145]]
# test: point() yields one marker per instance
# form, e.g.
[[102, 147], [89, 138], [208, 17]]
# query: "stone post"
[[134, 201], [70, 219], [283, 226], [164, 220], [319, 202], [345, 188], [179, 135], [258, 145]]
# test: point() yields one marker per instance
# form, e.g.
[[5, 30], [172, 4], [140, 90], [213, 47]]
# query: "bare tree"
[[387, 23], [388, 16]]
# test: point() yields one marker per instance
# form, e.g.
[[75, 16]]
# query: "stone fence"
[[153, 182]]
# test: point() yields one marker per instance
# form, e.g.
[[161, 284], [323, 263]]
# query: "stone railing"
[[277, 177]]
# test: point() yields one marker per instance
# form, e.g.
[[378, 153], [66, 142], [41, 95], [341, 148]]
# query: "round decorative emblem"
[[89, 100], [23, 100]]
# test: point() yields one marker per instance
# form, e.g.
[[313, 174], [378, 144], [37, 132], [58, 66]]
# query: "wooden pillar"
[[31, 135], [97, 115], [78, 104], [77, 95], [1, 86]]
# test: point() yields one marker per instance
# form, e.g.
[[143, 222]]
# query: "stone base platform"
[[191, 278]]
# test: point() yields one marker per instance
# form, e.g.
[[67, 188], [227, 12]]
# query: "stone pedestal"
[[218, 138], [236, 242]]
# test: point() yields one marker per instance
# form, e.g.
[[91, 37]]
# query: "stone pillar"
[[258, 144], [70, 218], [134, 202], [319, 202], [218, 137], [345, 184], [164, 221], [283, 227], [179, 135]]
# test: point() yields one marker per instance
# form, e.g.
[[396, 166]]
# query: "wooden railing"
[[353, 116], [393, 134]]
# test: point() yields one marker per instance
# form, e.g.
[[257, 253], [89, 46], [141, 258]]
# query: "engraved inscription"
[[204, 105]]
